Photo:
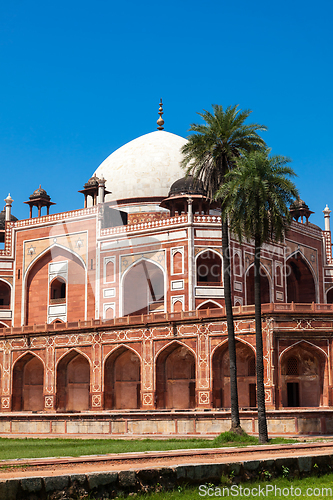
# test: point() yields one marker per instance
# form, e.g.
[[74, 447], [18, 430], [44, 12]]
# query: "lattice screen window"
[[292, 366]]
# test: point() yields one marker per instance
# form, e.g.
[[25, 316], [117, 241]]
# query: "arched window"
[[4, 295], [58, 291], [209, 269]]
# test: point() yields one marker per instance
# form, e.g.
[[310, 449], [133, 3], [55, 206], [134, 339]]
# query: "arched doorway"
[[209, 269], [143, 289], [300, 283], [73, 382], [246, 376], [5, 292], [122, 377], [175, 377], [264, 286], [302, 376], [28, 380]]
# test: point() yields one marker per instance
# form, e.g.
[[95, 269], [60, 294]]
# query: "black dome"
[[3, 219], [187, 185]]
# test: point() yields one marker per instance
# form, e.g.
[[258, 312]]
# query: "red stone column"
[[147, 374], [6, 398], [50, 378], [203, 382]]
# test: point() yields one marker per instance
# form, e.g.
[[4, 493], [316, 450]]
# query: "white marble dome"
[[144, 167]]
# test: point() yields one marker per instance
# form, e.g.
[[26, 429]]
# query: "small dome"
[[3, 219], [186, 185], [297, 204], [39, 193], [143, 168], [93, 181]]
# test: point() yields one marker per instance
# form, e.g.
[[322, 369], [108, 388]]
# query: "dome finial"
[[160, 121]]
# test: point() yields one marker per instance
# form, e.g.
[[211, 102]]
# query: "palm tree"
[[256, 197], [211, 151]]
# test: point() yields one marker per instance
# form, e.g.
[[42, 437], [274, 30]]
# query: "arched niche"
[[73, 382], [28, 379], [177, 262], [37, 285], [300, 283], [264, 285], [246, 376], [122, 376], [5, 294], [302, 376], [209, 269], [175, 377], [143, 289]]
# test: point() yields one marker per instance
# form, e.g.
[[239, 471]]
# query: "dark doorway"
[[293, 394]]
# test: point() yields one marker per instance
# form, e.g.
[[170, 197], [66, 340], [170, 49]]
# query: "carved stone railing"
[[144, 319]]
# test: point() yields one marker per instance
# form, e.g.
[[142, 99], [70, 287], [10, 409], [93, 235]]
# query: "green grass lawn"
[[308, 488], [11, 448]]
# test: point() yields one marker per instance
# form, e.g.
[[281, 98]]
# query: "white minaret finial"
[[101, 190], [326, 213], [9, 200]]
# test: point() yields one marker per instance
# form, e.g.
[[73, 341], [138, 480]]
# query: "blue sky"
[[80, 79]]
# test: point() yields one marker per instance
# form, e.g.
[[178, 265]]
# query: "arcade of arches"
[[302, 379]]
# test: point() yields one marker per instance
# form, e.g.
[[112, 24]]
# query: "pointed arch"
[[175, 377], [265, 283], [28, 383], [122, 379], [73, 381], [36, 277], [209, 304], [302, 285], [246, 379], [5, 294], [329, 295], [208, 265], [143, 288], [302, 370]]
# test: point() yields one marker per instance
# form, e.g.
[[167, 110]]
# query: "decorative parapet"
[[147, 319], [56, 217], [144, 226]]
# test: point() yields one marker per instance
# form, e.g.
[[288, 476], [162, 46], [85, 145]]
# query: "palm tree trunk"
[[262, 422], [235, 421]]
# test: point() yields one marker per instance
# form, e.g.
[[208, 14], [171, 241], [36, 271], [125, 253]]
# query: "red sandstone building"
[[113, 315]]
